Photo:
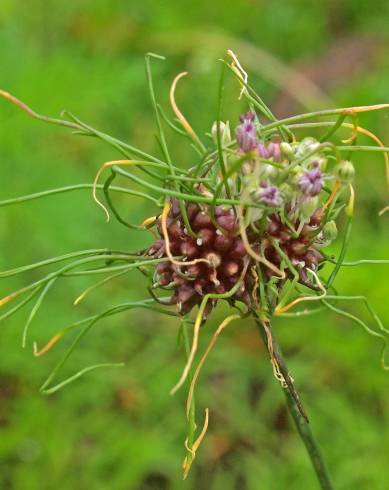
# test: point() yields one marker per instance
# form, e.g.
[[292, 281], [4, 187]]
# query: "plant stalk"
[[296, 411]]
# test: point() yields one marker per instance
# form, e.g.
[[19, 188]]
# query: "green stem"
[[343, 251], [222, 163], [310, 443], [301, 423], [75, 187], [309, 115]]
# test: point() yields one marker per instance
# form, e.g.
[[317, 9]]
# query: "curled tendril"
[[111, 164], [164, 216], [188, 128]]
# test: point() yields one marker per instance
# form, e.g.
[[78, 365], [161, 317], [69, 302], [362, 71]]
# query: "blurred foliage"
[[120, 429]]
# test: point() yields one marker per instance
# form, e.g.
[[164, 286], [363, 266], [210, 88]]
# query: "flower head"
[[224, 128]]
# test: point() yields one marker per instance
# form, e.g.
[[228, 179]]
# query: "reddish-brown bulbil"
[[227, 261]]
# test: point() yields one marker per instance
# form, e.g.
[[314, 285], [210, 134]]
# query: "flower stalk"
[[297, 413]]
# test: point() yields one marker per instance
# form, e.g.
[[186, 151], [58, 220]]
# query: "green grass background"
[[120, 429]]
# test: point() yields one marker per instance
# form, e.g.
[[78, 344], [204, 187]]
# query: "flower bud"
[[330, 231], [308, 207], [344, 171], [225, 133], [263, 152], [275, 151], [269, 151], [286, 150], [268, 171], [307, 145]]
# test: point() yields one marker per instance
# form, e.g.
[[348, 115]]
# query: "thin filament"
[[238, 69], [188, 128], [164, 216], [287, 307], [212, 342], [100, 171]]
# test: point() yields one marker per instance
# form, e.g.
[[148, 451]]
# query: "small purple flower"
[[311, 182], [275, 151], [246, 133], [263, 151], [271, 150], [269, 195]]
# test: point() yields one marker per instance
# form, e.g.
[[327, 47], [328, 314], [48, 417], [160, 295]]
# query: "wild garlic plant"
[[247, 224]]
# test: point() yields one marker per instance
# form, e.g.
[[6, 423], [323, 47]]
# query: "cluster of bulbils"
[[217, 241], [288, 224]]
